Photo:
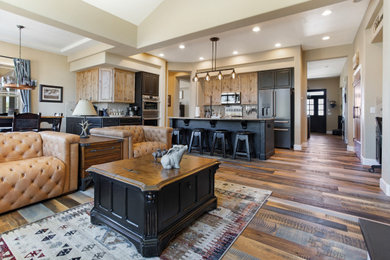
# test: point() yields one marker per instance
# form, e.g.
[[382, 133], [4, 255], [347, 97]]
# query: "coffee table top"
[[148, 174]]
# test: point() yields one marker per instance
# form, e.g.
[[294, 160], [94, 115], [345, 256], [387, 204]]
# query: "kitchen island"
[[263, 130]]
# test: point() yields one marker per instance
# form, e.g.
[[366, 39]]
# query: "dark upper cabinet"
[[282, 78], [266, 79], [148, 83]]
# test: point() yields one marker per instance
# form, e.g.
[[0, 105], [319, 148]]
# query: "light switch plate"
[[372, 110]]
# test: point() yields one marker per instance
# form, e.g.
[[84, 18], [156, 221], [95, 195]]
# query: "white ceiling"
[[325, 68], [306, 29], [40, 36], [133, 11]]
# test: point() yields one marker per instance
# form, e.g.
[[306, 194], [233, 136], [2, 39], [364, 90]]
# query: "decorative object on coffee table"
[[84, 108], [159, 153], [167, 201], [173, 157]]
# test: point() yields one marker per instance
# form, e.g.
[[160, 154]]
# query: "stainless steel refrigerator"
[[278, 103]]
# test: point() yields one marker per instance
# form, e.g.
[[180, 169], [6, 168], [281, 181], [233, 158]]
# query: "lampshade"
[[84, 108]]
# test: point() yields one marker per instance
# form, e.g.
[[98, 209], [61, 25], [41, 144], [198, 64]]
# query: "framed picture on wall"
[[49, 93]]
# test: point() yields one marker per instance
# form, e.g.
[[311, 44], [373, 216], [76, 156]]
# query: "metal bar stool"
[[247, 138], [199, 137], [176, 134], [224, 136]]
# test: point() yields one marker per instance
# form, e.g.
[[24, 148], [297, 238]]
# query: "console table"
[[148, 204]]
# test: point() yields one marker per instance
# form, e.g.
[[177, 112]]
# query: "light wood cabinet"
[[248, 88], [106, 85], [87, 84], [216, 91], [207, 92], [124, 86]]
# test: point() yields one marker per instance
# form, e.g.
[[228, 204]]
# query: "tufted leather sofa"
[[138, 140], [36, 166]]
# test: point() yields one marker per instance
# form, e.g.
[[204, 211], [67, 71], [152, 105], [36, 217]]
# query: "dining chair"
[[26, 122]]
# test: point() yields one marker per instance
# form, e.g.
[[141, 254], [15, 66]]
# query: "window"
[[310, 107]]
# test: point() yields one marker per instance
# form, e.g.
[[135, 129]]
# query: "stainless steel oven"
[[150, 110]]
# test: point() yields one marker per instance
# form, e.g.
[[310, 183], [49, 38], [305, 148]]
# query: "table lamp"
[[84, 108]]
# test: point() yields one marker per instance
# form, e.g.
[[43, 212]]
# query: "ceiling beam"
[[77, 17]]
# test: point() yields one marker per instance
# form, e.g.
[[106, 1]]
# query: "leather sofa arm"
[[66, 148], [159, 134]]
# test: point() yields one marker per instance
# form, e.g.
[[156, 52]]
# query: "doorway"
[[316, 109], [357, 111]]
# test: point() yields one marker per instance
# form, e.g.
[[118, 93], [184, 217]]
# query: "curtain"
[[23, 77]]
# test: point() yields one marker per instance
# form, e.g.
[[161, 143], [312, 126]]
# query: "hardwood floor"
[[318, 194]]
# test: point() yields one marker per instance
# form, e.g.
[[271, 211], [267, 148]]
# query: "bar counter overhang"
[[263, 129]]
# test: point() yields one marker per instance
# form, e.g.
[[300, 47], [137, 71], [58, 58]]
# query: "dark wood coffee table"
[[148, 204]]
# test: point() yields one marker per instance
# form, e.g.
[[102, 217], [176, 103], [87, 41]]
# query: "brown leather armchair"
[[36, 166], [138, 140]]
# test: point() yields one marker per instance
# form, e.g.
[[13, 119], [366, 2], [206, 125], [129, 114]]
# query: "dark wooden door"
[[316, 109]]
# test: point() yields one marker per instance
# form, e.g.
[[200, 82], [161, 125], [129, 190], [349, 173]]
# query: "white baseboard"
[[329, 132], [367, 161], [385, 187], [297, 147], [350, 148]]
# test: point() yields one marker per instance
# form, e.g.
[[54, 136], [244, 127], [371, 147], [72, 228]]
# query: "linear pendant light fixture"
[[214, 69]]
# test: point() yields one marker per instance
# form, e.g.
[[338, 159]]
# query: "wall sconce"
[[332, 103]]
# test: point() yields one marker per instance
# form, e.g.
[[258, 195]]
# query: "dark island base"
[[263, 130], [153, 246]]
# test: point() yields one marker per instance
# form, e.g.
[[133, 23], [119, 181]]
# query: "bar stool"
[[247, 138], [177, 133], [224, 136], [199, 135]]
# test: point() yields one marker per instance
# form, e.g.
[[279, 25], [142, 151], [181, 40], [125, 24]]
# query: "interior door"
[[316, 109], [357, 111]]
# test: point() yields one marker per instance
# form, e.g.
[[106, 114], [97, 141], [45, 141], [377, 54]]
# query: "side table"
[[96, 150]]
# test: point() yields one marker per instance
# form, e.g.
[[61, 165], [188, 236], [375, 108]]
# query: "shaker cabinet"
[[212, 92], [87, 84], [248, 88], [282, 78], [148, 82], [106, 85]]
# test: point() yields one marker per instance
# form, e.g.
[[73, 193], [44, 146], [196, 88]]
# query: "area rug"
[[70, 235]]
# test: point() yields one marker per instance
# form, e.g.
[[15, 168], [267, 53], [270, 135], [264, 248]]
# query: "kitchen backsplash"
[[113, 108], [248, 111]]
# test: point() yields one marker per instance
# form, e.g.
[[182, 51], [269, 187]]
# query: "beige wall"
[[333, 92], [370, 57], [48, 69], [173, 90]]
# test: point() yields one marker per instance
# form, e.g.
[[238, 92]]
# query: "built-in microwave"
[[228, 98]]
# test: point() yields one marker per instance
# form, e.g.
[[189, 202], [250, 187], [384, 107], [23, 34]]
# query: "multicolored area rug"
[[70, 235]]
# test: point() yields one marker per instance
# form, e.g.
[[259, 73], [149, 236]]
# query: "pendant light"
[[214, 69]]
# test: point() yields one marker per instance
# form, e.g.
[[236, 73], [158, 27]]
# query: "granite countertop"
[[222, 119]]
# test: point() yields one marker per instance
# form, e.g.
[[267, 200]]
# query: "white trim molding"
[[367, 161], [385, 187], [350, 148], [297, 147]]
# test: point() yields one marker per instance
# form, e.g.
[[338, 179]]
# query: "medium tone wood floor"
[[318, 194]]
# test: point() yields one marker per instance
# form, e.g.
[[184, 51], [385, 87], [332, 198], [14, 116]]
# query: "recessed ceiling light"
[[201, 58], [326, 12], [256, 29], [325, 38], [181, 46], [235, 52], [278, 45], [161, 54]]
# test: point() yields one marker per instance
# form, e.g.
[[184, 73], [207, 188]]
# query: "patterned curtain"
[[23, 77]]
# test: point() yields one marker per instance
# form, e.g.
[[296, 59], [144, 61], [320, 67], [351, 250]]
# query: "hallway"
[[318, 195]]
